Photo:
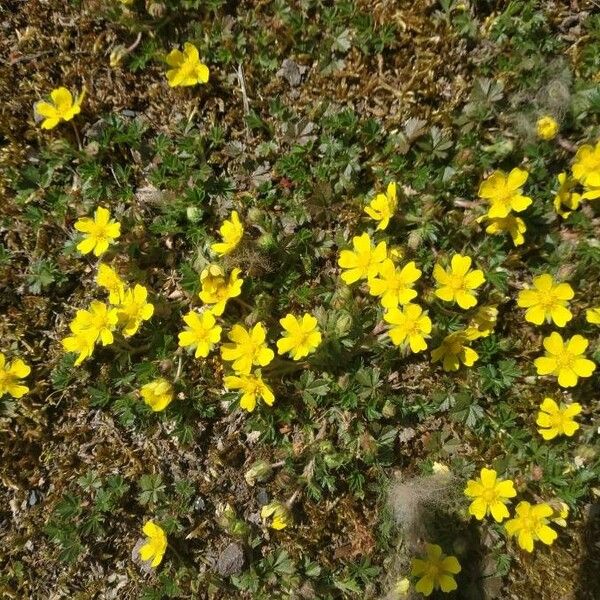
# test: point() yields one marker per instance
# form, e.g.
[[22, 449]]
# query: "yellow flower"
[[10, 374], [454, 350], [81, 343], [565, 360], [157, 394], [592, 315], [435, 570], [566, 196], [187, 68], [134, 309], [217, 289], [62, 107], [547, 128], [490, 495], [99, 232], [231, 232], [511, 224], [301, 336], [364, 261], [439, 468], [394, 285], [109, 279], [401, 588], [561, 512], [383, 206], [409, 325], [483, 322], [546, 301], [97, 323], [531, 524], [457, 282], [201, 332], [586, 167], [156, 544], [247, 348], [504, 193], [280, 515], [554, 420], [252, 387]]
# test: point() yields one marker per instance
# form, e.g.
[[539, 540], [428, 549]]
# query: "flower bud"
[[261, 470], [117, 54]]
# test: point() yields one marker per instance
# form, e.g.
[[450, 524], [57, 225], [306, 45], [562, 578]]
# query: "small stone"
[[292, 71], [231, 560], [262, 497]]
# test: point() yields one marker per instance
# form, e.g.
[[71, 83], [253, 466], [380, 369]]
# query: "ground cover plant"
[[300, 299]]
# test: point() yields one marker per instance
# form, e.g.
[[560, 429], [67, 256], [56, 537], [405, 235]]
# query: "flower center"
[[456, 282], [547, 300], [99, 232], [557, 421], [565, 360], [490, 496]]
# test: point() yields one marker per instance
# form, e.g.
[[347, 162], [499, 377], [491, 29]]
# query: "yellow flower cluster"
[[125, 311], [393, 285], [247, 349], [582, 184], [529, 524], [504, 194], [186, 69]]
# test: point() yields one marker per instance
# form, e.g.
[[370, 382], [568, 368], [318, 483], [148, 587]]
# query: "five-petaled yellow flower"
[[565, 197], [592, 315], [252, 387], [490, 495], [201, 333], [364, 261], [530, 524], [383, 206], [454, 350], [565, 360], [547, 127], [394, 285], [586, 169], [409, 325], [97, 323], [10, 376], [156, 544], [62, 107], [280, 514], [109, 279], [231, 232], [457, 283], [134, 309], [217, 289], [546, 301], [186, 67], [98, 232], [301, 336], [556, 420], [504, 193], [511, 224], [157, 394], [435, 571], [247, 348]]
